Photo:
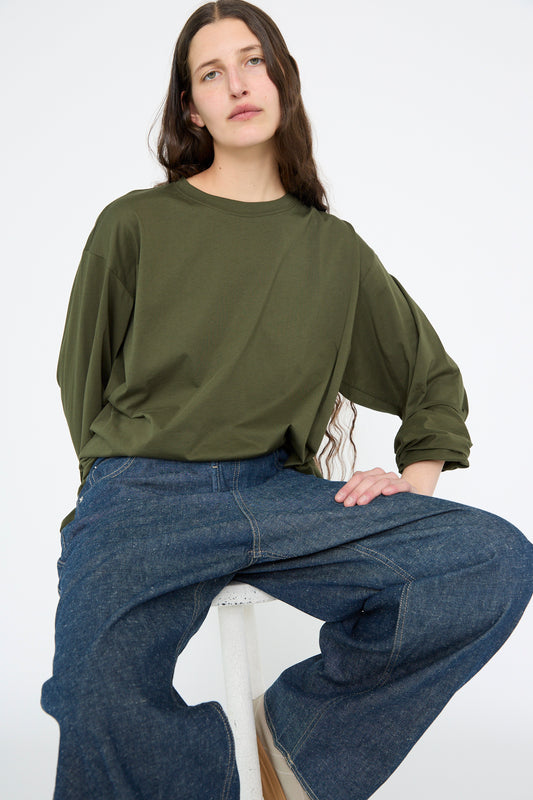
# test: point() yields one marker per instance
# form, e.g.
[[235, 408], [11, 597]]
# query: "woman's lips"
[[244, 115]]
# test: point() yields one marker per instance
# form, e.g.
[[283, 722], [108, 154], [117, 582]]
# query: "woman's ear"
[[193, 113]]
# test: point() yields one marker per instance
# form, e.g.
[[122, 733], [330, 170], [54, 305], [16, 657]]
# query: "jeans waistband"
[[207, 476], [240, 473]]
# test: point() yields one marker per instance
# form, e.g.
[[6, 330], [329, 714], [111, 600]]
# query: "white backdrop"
[[423, 121]]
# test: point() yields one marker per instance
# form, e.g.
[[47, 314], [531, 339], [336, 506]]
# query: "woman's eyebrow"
[[217, 60]]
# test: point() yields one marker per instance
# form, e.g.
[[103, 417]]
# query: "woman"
[[214, 322]]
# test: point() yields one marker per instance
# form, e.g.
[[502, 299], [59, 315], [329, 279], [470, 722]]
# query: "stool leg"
[[239, 699], [252, 645]]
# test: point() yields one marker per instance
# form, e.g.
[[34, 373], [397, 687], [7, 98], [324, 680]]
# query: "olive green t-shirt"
[[201, 328]]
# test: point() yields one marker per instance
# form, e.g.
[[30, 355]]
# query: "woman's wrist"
[[423, 475]]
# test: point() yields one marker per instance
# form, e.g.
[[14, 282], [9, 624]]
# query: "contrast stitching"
[[231, 759], [398, 633], [287, 755], [387, 562], [256, 552], [193, 619], [269, 552], [396, 645], [215, 468], [113, 474]]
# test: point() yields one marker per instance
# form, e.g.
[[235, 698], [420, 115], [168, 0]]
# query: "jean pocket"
[[67, 534], [108, 468]]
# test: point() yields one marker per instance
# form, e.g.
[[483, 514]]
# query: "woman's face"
[[228, 72]]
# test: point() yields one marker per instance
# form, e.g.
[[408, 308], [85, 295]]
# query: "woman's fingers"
[[360, 480], [368, 489], [360, 477], [386, 487], [364, 486]]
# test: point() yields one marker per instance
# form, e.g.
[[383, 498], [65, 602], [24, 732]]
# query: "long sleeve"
[[99, 311], [397, 364]]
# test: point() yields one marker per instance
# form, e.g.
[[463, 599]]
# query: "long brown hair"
[[184, 149]]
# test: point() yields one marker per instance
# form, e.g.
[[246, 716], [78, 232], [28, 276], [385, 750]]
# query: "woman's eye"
[[255, 61]]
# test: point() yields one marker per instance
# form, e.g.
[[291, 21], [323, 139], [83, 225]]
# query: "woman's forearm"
[[423, 475]]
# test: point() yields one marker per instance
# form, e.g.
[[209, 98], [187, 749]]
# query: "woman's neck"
[[249, 180]]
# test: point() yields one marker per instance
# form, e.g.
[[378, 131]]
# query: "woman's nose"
[[236, 83]]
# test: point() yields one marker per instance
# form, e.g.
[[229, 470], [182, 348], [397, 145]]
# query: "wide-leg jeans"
[[416, 594]]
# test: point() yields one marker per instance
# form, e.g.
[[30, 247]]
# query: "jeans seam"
[[113, 474], [193, 619], [256, 533], [402, 607], [387, 562], [230, 764], [396, 645], [231, 760], [286, 754], [398, 633], [269, 553]]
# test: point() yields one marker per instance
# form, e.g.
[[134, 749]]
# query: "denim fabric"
[[416, 594]]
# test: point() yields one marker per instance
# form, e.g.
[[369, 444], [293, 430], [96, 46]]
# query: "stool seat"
[[242, 676], [240, 594]]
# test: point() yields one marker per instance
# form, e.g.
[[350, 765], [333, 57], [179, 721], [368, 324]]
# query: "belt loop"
[[215, 476], [236, 470]]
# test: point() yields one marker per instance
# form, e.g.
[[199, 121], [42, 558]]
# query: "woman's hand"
[[365, 486]]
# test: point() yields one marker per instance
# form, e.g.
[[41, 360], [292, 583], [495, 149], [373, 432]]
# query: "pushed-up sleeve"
[[398, 364], [98, 314]]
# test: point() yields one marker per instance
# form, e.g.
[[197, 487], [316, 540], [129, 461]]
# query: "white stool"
[[242, 676]]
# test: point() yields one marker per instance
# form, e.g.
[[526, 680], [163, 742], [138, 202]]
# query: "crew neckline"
[[240, 207]]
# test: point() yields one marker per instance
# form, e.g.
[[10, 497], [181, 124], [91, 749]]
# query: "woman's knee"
[[507, 556]]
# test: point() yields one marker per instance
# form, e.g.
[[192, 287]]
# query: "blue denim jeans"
[[416, 594]]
